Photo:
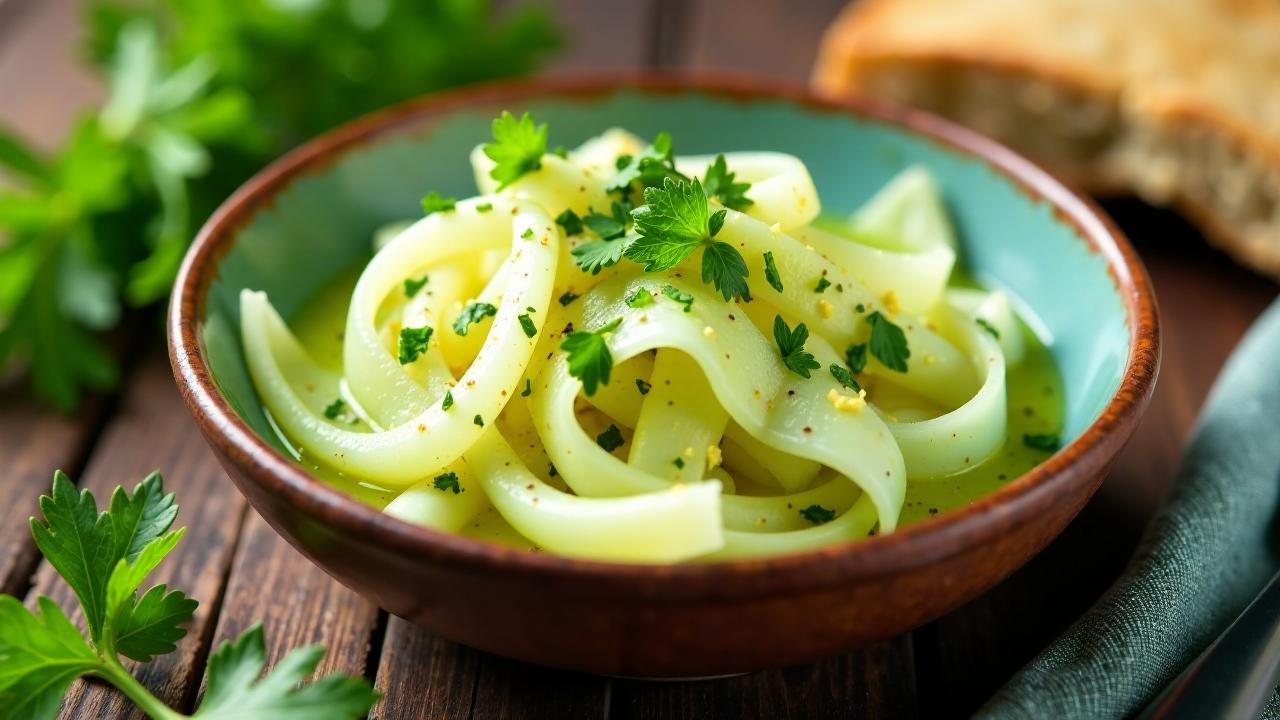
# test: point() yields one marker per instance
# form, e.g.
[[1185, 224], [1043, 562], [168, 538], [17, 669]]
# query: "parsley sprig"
[[791, 347], [650, 168], [888, 343], [595, 255], [720, 184], [675, 220], [517, 147], [589, 358], [105, 557]]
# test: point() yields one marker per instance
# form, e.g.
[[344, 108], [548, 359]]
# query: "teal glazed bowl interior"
[[300, 222]]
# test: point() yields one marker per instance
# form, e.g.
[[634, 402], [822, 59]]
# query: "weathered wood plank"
[[510, 690], [878, 682], [423, 677], [150, 431], [296, 602]]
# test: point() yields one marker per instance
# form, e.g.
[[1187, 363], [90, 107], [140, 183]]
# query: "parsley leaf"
[[610, 439], [818, 515], [434, 203], [235, 690], [478, 420], [517, 148], [570, 221], [791, 347], [855, 356], [528, 388], [473, 313], [412, 286], [654, 165], [153, 625], [613, 225], [1048, 442], [771, 272], [413, 342], [567, 298], [719, 184], [679, 296], [982, 322], [448, 400], [844, 377], [723, 266], [673, 221], [42, 653], [640, 298], [595, 255], [823, 284], [447, 481], [589, 358], [526, 324], [888, 343]]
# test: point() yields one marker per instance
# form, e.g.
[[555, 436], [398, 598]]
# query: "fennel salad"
[[619, 353]]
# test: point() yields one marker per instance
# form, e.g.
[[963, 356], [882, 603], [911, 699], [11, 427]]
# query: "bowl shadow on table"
[[1207, 303]]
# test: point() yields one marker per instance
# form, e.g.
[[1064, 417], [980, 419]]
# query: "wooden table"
[[243, 573]]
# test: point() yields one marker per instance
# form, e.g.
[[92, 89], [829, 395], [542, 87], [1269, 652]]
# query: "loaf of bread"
[[1177, 101]]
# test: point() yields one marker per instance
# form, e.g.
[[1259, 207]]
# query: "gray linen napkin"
[[1208, 551]]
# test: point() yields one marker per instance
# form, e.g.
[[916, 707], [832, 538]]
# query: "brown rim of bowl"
[[922, 543]]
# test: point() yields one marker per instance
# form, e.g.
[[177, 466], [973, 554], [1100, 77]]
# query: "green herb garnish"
[[567, 298], [589, 358], [613, 225], [338, 410], [484, 207], [719, 184], [678, 295], [771, 274], [791, 347], [888, 343], [412, 286], [528, 388], [679, 463], [855, 356], [823, 284], [477, 420], [473, 313], [818, 515], [413, 342], [448, 400], [610, 439], [643, 386], [640, 298], [673, 222], [434, 203], [527, 234], [570, 221], [844, 377], [526, 324], [982, 322], [447, 481], [650, 168], [105, 557], [1048, 442], [517, 148]]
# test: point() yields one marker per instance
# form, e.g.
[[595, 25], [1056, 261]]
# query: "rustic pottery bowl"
[[297, 223]]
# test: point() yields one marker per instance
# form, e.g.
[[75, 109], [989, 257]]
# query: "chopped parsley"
[[719, 184], [528, 388], [771, 274], [640, 298], [610, 439], [679, 296], [818, 515], [527, 234], [412, 286], [594, 255], [888, 343], [982, 322], [560, 151], [447, 482], [337, 410], [413, 342], [526, 324], [679, 463], [860, 308], [473, 313], [448, 400], [434, 203], [570, 221], [613, 225], [484, 207], [823, 284], [477, 420], [643, 386], [567, 298], [517, 147], [855, 356], [650, 168], [844, 377], [791, 347], [589, 358], [1048, 442], [674, 221]]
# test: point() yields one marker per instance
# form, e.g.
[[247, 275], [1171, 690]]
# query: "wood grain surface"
[[243, 573]]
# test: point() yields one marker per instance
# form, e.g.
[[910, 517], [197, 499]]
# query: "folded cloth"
[[1207, 553]]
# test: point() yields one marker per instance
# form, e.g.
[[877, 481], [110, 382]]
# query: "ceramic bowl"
[[297, 223]]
